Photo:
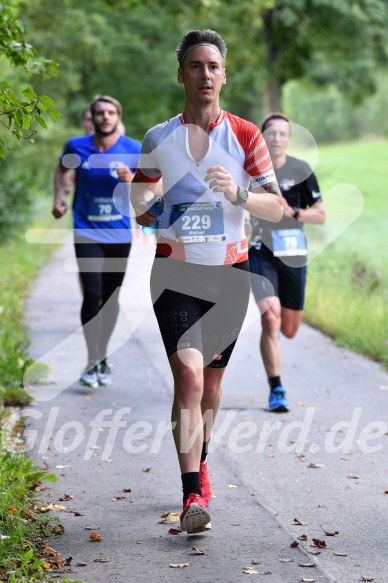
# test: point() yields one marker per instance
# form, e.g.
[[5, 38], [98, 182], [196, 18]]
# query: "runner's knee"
[[289, 329], [270, 321]]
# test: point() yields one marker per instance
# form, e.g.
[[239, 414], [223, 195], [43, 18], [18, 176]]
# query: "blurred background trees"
[[322, 62]]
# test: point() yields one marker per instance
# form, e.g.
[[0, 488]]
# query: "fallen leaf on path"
[[96, 537], [314, 553], [366, 578], [101, 560], [127, 489], [286, 560], [319, 543], [306, 564], [304, 580], [312, 465], [300, 522], [179, 565], [250, 571], [255, 562], [302, 537], [385, 491], [294, 544], [175, 531], [62, 467], [48, 550], [79, 514], [198, 551], [46, 566], [80, 564], [146, 470], [50, 507], [97, 527], [119, 498], [66, 497], [353, 476], [340, 554], [169, 517], [330, 533]]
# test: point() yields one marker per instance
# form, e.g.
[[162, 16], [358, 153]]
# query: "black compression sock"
[[190, 484], [274, 382], [204, 450]]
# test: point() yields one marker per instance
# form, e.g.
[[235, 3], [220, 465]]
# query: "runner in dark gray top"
[[278, 253]]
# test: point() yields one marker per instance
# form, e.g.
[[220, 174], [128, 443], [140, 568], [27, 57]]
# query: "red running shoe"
[[205, 482], [194, 517]]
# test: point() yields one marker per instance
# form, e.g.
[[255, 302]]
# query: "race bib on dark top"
[[102, 209], [198, 222], [288, 242]]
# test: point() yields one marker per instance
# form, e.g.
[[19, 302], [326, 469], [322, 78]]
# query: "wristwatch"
[[242, 196], [296, 210]]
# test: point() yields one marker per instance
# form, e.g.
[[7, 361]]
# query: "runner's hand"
[[287, 208], [144, 216], [60, 208], [220, 180], [125, 174]]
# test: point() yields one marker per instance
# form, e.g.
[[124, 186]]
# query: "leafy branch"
[[23, 119]]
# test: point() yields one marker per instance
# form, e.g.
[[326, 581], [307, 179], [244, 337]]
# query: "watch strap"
[[242, 196]]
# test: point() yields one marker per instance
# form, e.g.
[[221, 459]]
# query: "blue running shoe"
[[277, 401]]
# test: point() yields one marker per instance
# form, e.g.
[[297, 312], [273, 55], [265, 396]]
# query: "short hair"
[[195, 38], [274, 115], [97, 98]]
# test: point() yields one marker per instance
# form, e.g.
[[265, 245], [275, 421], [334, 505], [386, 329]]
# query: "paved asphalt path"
[[323, 465]]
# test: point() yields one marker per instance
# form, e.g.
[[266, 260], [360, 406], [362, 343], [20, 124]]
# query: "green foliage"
[[313, 39], [25, 174], [22, 115], [19, 261], [347, 284], [21, 526]]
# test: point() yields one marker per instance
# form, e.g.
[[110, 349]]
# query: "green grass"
[[22, 525], [348, 282], [20, 261]]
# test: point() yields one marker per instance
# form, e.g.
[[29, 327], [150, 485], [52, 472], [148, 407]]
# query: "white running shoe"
[[89, 376], [104, 373]]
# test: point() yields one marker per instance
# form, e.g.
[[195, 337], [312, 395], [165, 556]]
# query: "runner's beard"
[[104, 133]]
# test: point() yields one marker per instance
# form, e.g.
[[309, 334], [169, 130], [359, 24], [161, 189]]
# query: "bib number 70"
[[290, 242], [105, 209]]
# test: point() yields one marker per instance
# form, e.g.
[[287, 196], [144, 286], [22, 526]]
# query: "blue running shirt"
[[101, 201]]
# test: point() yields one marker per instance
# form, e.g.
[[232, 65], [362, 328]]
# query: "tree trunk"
[[273, 53], [272, 95]]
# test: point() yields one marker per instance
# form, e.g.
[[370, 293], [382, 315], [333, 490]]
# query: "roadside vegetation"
[[24, 522], [347, 286]]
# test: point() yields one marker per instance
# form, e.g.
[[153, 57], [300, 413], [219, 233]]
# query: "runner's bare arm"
[[315, 214], [60, 206], [264, 202]]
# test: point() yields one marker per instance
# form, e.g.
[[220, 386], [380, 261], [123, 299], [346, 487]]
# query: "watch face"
[[243, 194]]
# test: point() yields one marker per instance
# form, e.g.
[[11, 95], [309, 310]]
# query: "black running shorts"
[[272, 277], [200, 306]]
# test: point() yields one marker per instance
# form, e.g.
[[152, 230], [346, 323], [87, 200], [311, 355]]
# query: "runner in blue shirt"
[[105, 163]]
